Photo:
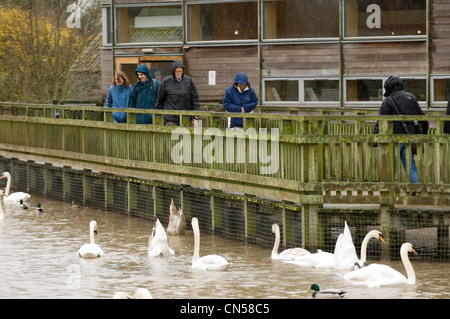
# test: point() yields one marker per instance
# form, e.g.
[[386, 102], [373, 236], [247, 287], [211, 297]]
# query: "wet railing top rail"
[[89, 113]]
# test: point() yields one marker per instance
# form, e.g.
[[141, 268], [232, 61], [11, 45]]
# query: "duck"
[[14, 197], [22, 204], [140, 293], [91, 250], [39, 208], [377, 275], [177, 221], [287, 254], [157, 244], [327, 294], [208, 262]]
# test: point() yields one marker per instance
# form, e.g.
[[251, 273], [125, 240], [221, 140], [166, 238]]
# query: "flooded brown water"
[[38, 259]]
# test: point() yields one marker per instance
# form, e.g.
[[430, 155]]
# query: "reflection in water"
[[38, 259]]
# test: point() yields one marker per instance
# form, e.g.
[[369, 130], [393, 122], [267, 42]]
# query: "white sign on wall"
[[212, 77]]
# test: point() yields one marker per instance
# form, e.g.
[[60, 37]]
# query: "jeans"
[[413, 163]]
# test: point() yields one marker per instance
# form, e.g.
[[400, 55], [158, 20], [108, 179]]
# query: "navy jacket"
[[235, 99]]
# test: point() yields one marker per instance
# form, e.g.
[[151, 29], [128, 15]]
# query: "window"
[[441, 89], [359, 90], [321, 90], [281, 91], [106, 25], [222, 21], [160, 66], [286, 19], [385, 18], [418, 87], [149, 24]]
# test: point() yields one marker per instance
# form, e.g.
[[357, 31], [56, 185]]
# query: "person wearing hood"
[[406, 104], [239, 98], [119, 96], [177, 93], [144, 93]]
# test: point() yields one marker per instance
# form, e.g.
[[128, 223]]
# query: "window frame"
[[395, 38], [291, 40], [435, 102], [301, 100], [146, 5], [217, 42]]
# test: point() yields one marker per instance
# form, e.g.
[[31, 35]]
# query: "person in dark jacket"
[[144, 93], [119, 96], [177, 92], [407, 105], [447, 123], [239, 98]]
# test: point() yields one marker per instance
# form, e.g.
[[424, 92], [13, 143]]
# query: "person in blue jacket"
[[144, 93], [119, 96], [239, 98]]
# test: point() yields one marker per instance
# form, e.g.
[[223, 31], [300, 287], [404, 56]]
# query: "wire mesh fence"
[[233, 215]]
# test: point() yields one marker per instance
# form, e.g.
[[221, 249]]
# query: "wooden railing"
[[311, 160]]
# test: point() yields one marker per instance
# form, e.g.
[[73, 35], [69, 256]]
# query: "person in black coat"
[[407, 105], [177, 93]]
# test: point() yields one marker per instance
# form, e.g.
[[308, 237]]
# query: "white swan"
[[157, 244], [14, 197], [287, 254], [372, 234], [177, 221], [343, 257], [91, 250], [208, 262], [140, 293], [376, 275]]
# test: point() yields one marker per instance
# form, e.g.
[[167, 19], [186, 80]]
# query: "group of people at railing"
[[176, 92]]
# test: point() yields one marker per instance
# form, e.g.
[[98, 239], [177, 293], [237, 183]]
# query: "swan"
[[91, 250], [14, 197], [177, 221], [140, 293], [39, 208], [329, 293], [376, 275], [157, 244], [208, 262], [343, 257], [287, 254], [22, 205], [372, 234]]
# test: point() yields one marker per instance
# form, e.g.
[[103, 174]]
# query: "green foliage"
[[37, 48]]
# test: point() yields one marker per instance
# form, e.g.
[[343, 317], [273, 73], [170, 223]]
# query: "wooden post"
[[386, 198]]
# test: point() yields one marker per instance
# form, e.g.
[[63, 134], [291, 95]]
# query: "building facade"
[[295, 52]]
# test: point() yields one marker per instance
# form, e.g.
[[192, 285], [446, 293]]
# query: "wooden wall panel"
[[107, 73], [300, 60], [384, 58], [440, 36], [226, 62]]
